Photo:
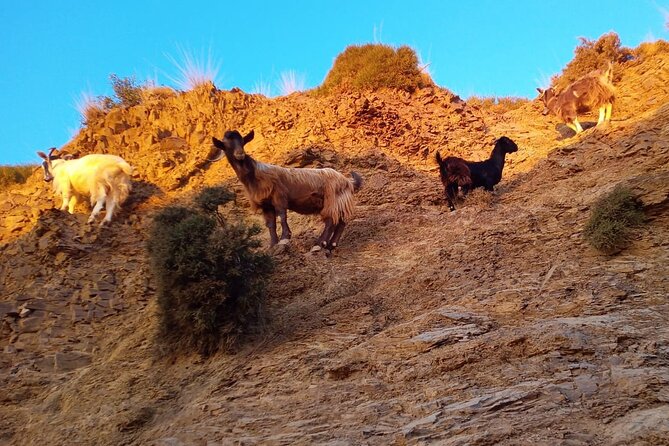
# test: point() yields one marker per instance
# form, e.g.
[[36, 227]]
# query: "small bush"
[[211, 278], [646, 50], [11, 175], [611, 220], [497, 105], [126, 90], [592, 55], [372, 66], [211, 198]]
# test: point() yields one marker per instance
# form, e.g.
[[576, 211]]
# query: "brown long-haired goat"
[[274, 189], [594, 90]]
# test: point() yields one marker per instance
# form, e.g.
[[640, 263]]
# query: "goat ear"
[[249, 137], [217, 143], [438, 157], [42, 155], [540, 90]]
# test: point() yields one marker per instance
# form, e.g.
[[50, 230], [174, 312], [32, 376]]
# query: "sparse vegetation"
[[611, 220], [372, 66], [126, 90], [290, 82], [497, 105], [647, 50], [263, 88], [152, 93], [211, 278], [11, 175], [591, 55], [195, 71], [90, 107]]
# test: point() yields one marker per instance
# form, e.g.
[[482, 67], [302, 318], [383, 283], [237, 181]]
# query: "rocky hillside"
[[494, 324]]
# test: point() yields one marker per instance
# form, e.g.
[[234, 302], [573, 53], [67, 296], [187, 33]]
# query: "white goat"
[[105, 178]]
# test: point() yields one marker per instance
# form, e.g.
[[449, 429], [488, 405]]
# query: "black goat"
[[453, 171]]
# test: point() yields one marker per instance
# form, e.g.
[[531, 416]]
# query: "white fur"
[[103, 178]]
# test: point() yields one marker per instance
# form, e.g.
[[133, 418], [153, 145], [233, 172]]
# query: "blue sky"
[[53, 51]]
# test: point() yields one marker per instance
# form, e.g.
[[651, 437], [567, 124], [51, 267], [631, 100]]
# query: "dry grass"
[[90, 108], [194, 70], [152, 94], [647, 50], [290, 82], [262, 88]]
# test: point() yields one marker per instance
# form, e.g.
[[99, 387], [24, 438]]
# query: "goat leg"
[[72, 204], [322, 241], [110, 205], [336, 234], [66, 202], [450, 196], [270, 222], [286, 234], [575, 126], [602, 114], [96, 209]]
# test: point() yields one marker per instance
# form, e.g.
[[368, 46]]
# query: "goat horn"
[[51, 150], [218, 157]]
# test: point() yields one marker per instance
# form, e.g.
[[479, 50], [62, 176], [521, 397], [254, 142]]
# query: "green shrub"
[[11, 175], [126, 90], [211, 277], [592, 55], [611, 220], [212, 197], [372, 66]]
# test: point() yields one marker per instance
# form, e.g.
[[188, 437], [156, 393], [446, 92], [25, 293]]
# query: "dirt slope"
[[495, 324]]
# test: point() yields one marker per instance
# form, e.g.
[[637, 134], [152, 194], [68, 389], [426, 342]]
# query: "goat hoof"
[[284, 241]]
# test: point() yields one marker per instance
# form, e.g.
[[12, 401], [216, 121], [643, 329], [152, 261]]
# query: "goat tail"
[[437, 156], [356, 181], [113, 180], [127, 169], [121, 189], [338, 201]]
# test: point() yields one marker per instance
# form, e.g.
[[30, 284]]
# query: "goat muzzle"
[[239, 156]]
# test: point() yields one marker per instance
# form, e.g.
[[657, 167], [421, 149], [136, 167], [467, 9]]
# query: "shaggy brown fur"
[[274, 189], [594, 90], [457, 179]]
